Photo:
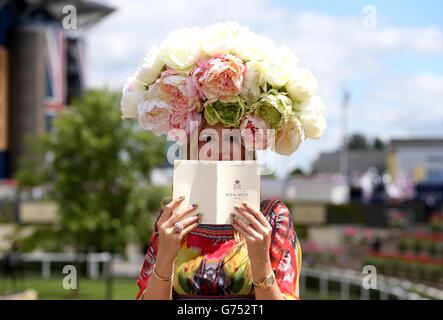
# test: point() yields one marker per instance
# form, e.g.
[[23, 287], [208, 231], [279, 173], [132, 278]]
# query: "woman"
[[231, 78], [259, 260]]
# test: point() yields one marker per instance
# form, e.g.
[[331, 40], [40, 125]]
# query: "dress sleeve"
[[285, 251], [148, 263]]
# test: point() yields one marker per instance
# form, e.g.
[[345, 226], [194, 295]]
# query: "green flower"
[[274, 108], [228, 112]]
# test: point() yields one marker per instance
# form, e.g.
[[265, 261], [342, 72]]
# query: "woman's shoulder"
[[283, 232], [277, 213], [271, 206]]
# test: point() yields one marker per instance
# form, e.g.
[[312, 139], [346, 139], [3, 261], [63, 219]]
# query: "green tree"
[[143, 227], [32, 171], [297, 171], [99, 169], [378, 144], [358, 142]]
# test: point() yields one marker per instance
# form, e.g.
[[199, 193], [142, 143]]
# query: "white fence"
[[46, 259], [386, 286]]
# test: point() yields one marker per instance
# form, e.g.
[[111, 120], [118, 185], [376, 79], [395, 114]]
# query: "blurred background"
[[79, 187]]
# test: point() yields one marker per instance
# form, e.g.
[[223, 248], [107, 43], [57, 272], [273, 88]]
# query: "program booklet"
[[216, 186]]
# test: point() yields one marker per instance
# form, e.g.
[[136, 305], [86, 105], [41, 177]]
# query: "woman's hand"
[[169, 240], [257, 233]]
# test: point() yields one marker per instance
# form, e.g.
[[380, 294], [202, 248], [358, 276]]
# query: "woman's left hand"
[[257, 233]]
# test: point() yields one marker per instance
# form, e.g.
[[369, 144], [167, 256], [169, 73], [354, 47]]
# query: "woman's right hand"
[[169, 240]]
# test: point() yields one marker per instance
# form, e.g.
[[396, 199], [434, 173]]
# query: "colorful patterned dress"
[[210, 264]]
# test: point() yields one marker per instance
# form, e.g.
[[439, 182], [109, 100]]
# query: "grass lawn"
[[48, 289], [124, 289]]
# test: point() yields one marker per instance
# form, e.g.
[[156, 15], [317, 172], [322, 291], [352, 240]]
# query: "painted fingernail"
[[236, 208], [199, 214], [181, 197], [244, 204], [194, 205]]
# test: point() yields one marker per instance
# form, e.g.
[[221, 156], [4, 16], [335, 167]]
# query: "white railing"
[[386, 286], [47, 258]]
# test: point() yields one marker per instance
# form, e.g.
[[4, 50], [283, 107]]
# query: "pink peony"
[[183, 121], [220, 77], [169, 103], [153, 115], [255, 133], [178, 91]]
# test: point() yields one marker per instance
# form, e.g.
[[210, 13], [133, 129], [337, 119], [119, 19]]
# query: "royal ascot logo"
[[238, 194], [237, 185]]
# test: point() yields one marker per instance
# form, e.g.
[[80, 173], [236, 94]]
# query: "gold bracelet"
[[161, 278]]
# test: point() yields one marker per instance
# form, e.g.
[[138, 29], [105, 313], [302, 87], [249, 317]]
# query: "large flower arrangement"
[[228, 75]]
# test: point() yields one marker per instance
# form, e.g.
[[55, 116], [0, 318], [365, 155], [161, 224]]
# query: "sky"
[[388, 54]]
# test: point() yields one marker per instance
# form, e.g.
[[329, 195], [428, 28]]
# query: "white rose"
[[221, 38], [251, 46], [131, 93], [252, 82], [289, 137], [312, 117], [181, 49], [277, 67], [149, 69], [301, 85], [312, 105], [313, 124]]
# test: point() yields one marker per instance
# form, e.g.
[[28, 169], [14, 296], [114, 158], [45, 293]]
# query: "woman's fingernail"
[[244, 204], [194, 205], [199, 214], [236, 208], [181, 197]]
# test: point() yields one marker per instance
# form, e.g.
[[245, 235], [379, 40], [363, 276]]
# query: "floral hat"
[[229, 75]]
